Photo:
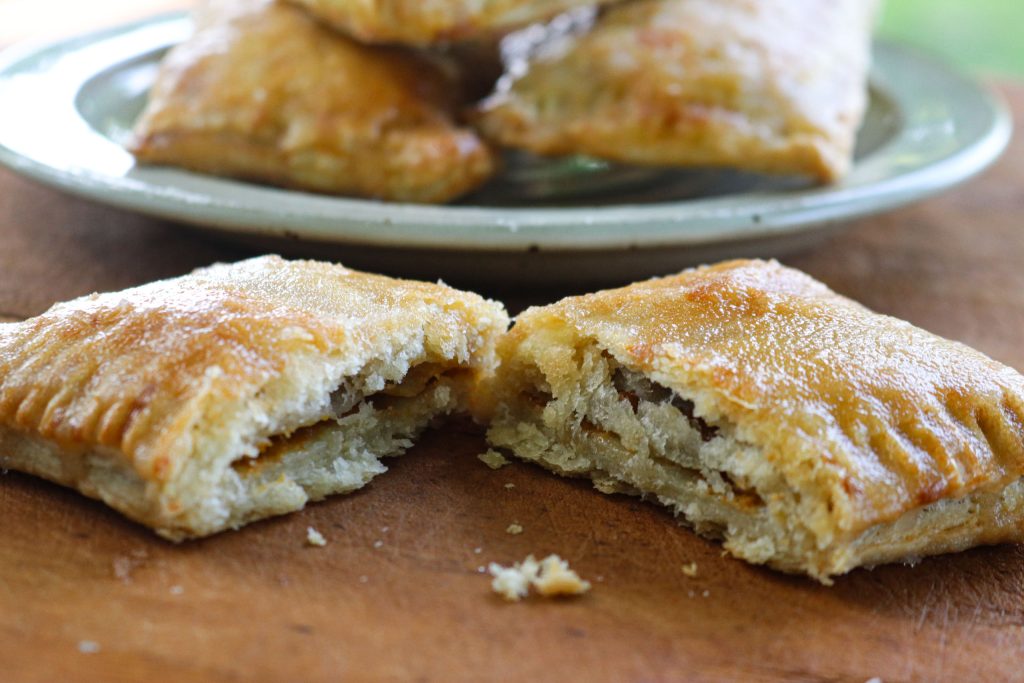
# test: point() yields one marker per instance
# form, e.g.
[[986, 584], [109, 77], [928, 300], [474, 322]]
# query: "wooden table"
[[397, 592]]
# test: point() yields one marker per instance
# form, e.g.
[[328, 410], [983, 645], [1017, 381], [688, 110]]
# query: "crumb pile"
[[550, 577]]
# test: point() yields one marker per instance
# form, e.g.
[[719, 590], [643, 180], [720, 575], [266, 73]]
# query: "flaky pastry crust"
[[810, 433], [263, 92], [236, 392], [776, 86]]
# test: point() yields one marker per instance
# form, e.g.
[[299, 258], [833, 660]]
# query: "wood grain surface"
[[397, 593]]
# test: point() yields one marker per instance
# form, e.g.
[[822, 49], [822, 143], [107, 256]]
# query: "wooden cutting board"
[[398, 594]]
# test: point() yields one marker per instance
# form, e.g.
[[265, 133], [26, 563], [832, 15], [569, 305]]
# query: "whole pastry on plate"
[[425, 22], [261, 91], [808, 432], [776, 86], [237, 392]]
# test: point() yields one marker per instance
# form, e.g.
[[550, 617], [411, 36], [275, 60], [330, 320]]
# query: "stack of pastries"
[[412, 100]]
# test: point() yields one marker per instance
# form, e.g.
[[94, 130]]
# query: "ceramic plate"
[[67, 108]]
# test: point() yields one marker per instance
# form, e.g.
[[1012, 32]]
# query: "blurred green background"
[[985, 36]]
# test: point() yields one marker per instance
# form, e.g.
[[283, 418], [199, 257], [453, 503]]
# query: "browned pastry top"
[[135, 371], [765, 85], [263, 91], [869, 413]]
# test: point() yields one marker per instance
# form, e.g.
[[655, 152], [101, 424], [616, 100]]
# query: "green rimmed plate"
[[67, 107]]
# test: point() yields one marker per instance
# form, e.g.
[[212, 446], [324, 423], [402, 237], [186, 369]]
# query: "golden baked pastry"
[[808, 432], [774, 86], [425, 22], [237, 392], [263, 92]]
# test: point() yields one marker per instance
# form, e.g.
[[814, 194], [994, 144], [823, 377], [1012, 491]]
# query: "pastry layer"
[[775, 86], [236, 392], [807, 432], [263, 92]]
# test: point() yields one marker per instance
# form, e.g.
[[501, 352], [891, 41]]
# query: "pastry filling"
[[635, 387], [646, 399], [369, 416], [339, 448], [631, 434], [348, 400]]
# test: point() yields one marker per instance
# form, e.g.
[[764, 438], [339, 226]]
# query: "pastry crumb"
[[378, 544], [513, 583], [557, 579], [690, 570], [493, 459], [177, 590], [510, 485], [514, 528], [477, 550], [314, 537], [88, 647], [550, 577], [706, 593]]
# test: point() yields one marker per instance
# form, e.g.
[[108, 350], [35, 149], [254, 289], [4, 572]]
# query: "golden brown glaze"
[[774, 86], [865, 416], [424, 22], [144, 378], [263, 92]]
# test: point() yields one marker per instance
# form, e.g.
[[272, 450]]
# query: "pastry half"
[[426, 22], [808, 432], [775, 86], [263, 92], [237, 392]]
